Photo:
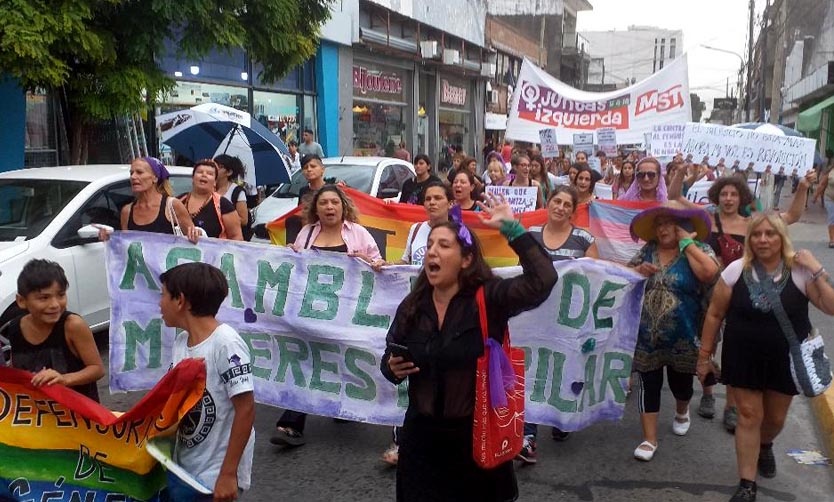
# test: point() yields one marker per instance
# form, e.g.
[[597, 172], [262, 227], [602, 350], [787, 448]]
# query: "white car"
[[41, 213], [381, 177]]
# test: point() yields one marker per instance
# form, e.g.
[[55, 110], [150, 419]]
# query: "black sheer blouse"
[[447, 355]]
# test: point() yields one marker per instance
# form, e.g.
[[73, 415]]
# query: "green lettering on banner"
[[291, 359], [151, 336], [604, 301], [555, 398], [588, 388], [254, 352], [570, 280], [361, 317], [177, 254], [613, 377], [135, 264], [319, 365], [353, 391], [326, 293], [540, 381], [227, 266], [269, 277]]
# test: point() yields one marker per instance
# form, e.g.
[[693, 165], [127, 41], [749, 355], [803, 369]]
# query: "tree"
[[99, 56]]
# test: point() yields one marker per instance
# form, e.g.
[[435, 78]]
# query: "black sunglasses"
[[647, 174]]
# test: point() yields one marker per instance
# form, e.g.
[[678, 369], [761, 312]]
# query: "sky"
[[718, 23]]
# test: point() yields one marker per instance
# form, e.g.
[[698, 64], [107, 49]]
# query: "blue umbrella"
[[208, 130], [766, 127]]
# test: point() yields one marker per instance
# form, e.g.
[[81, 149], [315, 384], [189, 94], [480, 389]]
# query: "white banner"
[[315, 323], [666, 140], [698, 192], [521, 199], [607, 140], [748, 146], [540, 101], [549, 143]]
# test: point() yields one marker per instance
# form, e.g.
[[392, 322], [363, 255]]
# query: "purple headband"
[[456, 215], [158, 168]]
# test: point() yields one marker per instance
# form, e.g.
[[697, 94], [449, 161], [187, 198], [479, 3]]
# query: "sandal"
[[287, 436], [645, 451], [392, 455]]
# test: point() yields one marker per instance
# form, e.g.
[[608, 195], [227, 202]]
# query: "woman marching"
[[435, 323], [755, 355], [209, 210]]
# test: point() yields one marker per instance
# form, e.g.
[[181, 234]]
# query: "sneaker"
[[392, 455], [527, 455], [731, 419], [746, 492], [287, 436], [707, 407], [559, 435], [681, 423], [767, 461]]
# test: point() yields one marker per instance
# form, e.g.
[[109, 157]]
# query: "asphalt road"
[[341, 461]]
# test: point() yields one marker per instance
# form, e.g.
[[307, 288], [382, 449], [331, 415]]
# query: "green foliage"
[[102, 53]]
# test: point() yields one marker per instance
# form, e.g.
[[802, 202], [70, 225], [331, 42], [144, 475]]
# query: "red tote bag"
[[498, 425]]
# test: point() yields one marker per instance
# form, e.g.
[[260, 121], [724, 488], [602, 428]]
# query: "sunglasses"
[[646, 174]]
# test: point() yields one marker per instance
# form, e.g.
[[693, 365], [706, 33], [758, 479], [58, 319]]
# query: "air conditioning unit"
[[451, 56], [430, 49], [493, 97], [487, 69]]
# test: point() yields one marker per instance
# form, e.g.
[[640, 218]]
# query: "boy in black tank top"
[[54, 344]]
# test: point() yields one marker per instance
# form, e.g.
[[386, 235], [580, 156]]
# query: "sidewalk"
[[811, 233]]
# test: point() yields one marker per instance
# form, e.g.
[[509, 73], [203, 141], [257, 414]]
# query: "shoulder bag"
[[498, 424], [729, 249], [175, 222], [810, 367]]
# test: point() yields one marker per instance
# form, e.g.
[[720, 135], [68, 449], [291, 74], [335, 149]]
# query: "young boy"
[[49, 341], [216, 438]]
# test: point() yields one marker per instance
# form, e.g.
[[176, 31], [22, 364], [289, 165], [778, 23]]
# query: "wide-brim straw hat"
[[643, 225]]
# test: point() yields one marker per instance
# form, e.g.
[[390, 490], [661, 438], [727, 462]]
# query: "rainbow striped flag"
[[389, 223], [56, 444]]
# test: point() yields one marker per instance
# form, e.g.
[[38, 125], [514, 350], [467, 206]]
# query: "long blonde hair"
[[781, 228]]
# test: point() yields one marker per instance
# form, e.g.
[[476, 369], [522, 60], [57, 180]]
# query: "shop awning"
[[495, 121], [809, 120]]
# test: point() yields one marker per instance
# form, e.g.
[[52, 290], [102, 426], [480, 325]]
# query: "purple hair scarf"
[[158, 167]]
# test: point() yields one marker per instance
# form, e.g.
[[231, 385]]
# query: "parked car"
[[381, 177], [41, 213]]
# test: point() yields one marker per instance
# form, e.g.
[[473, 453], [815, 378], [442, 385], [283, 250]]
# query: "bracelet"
[[511, 229], [819, 273], [682, 245]]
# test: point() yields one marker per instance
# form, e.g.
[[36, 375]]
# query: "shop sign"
[[452, 94], [370, 81]]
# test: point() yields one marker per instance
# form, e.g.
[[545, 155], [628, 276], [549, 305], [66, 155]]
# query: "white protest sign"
[[748, 146], [698, 192], [549, 143], [595, 164], [666, 140], [604, 191], [607, 140], [521, 199], [315, 324], [583, 142]]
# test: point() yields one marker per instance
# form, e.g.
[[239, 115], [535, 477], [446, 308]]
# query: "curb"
[[824, 410]]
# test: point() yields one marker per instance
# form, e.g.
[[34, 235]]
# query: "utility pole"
[[749, 62]]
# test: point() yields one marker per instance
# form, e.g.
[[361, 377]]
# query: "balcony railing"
[[575, 43]]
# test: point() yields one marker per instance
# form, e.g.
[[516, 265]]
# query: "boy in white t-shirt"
[[216, 439]]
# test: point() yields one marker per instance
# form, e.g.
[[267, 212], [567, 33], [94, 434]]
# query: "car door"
[[88, 254]]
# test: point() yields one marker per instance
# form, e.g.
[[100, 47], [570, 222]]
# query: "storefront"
[[382, 108], [455, 116]]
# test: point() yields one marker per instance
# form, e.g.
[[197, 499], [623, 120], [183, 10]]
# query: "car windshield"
[[28, 205], [356, 177]]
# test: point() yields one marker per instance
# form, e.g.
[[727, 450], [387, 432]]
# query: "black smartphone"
[[400, 351]]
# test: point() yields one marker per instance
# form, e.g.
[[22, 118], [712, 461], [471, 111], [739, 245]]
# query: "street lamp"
[[747, 92]]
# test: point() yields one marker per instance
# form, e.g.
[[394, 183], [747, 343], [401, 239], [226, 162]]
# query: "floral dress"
[[673, 309]]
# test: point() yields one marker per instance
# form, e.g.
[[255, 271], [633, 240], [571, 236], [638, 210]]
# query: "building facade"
[[632, 55]]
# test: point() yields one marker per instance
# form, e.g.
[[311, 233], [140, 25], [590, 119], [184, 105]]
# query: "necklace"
[[188, 205]]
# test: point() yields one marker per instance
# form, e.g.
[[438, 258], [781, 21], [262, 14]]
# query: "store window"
[[188, 94], [380, 117], [454, 118], [310, 114], [40, 141], [279, 112]]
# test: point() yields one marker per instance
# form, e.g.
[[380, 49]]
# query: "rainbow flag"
[[608, 221], [56, 444]]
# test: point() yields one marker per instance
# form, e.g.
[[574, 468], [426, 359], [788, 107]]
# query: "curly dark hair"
[[745, 196]]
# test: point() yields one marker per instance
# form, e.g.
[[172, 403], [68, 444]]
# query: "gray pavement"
[[341, 461]]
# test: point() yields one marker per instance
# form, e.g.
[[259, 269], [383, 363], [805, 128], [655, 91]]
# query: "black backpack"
[[247, 229]]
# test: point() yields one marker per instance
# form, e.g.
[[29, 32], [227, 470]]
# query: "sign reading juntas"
[[521, 199], [746, 146], [549, 142], [540, 100], [316, 324], [607, 140], [666, 140]]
